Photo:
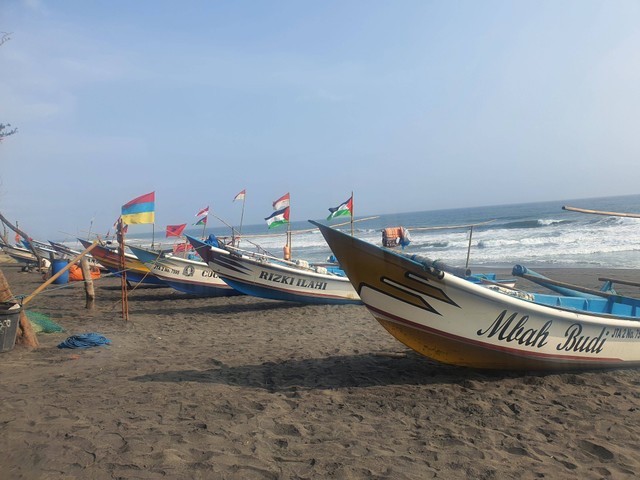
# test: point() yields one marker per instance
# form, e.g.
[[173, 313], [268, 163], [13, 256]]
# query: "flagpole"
[[153, 233], [123, 270], [352, 214], [204, 226], [244, 199], [289, 229]]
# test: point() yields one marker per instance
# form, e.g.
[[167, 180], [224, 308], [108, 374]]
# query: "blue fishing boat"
[[265, 276]]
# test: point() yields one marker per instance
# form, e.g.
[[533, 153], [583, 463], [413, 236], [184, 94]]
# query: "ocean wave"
[[539, 223]]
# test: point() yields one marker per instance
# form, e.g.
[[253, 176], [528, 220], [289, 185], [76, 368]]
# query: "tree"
[[5, 37], [5, 132]]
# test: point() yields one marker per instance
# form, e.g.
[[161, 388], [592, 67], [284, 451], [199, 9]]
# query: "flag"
[[175, 230], [140, 210], [279, 217], [204, 211], [202, 221], [282, 202], [240, 196], [345, 208]]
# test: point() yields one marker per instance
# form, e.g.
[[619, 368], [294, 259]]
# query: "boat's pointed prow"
[[199, 246]]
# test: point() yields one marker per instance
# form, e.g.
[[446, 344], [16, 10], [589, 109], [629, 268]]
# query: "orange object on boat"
[[395, 236], [75, 273]]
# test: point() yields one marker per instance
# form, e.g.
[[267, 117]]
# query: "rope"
[[84, 340]]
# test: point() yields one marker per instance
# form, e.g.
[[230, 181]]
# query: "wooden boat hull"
[[21, 255], [454, 321], [69, 254], [187, 276], [275, 281], [137, 272]]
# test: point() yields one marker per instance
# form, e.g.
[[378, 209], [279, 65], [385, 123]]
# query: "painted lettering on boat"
[[625, 333], [576, 342], [164, 269], [510, 330], [311, 284], [289, 280], [514, 329], [209, 274]]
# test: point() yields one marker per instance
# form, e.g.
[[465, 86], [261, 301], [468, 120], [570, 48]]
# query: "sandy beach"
[[244, 388]]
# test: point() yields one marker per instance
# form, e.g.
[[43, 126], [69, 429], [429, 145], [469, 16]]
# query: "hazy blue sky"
[[413, 105]]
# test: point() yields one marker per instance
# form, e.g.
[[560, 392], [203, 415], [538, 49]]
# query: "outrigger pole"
[[599, 212]]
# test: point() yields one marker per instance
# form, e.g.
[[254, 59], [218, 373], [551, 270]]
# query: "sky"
[[412, 105]]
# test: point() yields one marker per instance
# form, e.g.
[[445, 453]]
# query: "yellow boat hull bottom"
[[454, 352]]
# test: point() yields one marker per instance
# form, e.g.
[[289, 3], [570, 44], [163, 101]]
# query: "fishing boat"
[[185, 275], [266, 276], [136, 271], [68, 253], [21, 255], [449, 319]]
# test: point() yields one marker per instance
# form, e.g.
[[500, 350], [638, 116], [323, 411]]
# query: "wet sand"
[[244, 388]]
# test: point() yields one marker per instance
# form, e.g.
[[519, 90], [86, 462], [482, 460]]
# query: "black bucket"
[[9, 318]]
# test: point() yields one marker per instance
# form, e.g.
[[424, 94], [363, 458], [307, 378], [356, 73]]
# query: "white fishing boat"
[[458, 322], [183, 274], [266, 276]]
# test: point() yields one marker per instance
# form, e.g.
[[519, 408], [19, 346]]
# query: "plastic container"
[[56, 265], [9, 318]]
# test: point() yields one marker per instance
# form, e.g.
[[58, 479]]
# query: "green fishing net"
[[41, 323]]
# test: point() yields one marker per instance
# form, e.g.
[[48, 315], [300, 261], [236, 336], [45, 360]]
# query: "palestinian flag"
[[202, 221], [277, 218], [345, 208]]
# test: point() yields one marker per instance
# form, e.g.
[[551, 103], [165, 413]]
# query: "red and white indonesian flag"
[[204, 211], [282, 202], [240, 196]]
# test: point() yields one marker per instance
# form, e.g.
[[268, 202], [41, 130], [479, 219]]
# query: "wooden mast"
[[123, 270]]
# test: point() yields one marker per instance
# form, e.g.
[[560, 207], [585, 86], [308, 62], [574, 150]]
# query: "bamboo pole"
[[352, 213], [123, 270], [538, 280], [621, 282], [88, 284], [600, 212], [469, 247], [446, 227], [54, 277]]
